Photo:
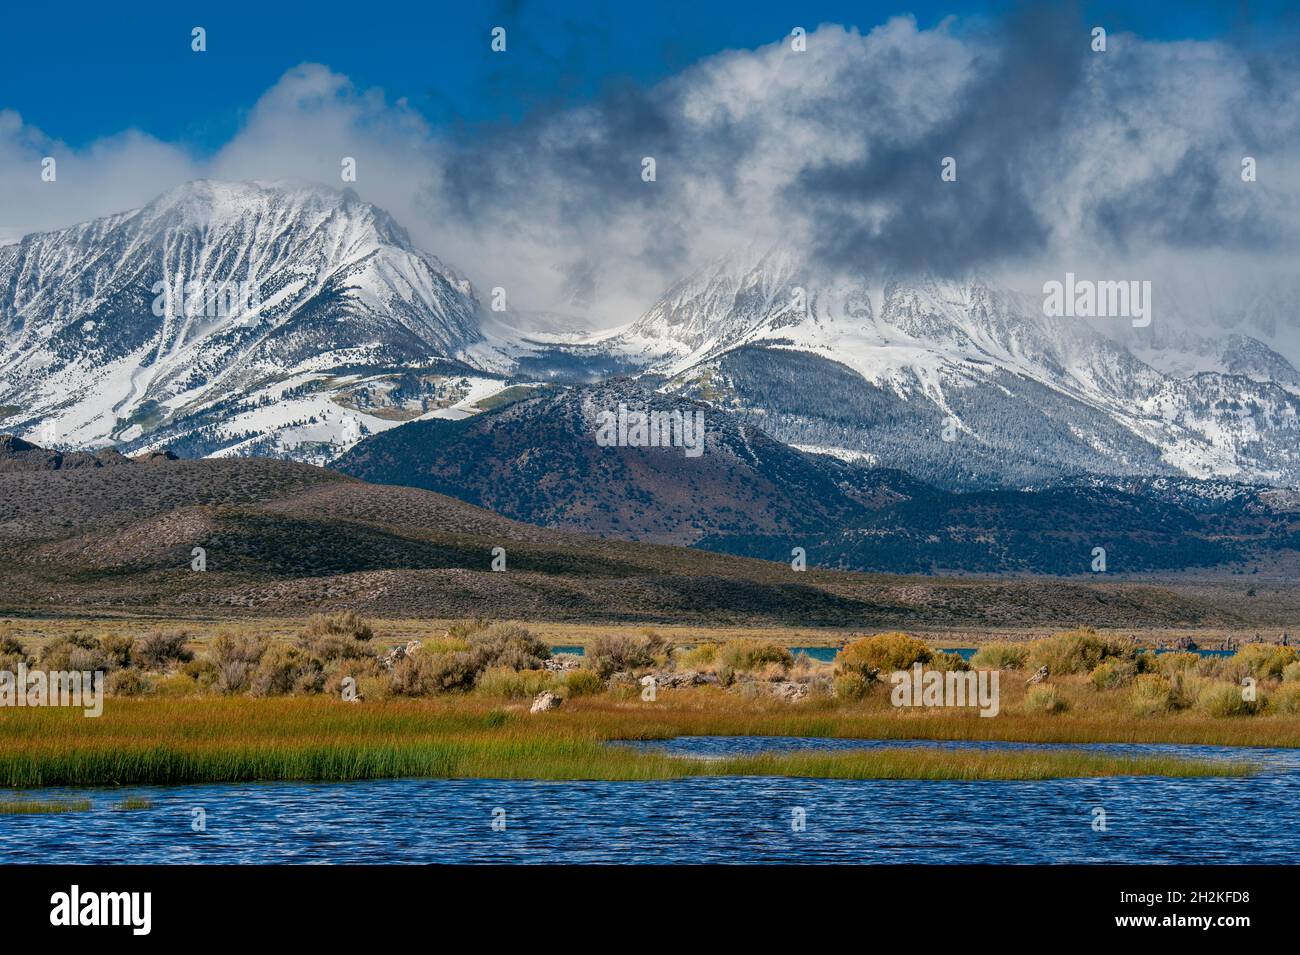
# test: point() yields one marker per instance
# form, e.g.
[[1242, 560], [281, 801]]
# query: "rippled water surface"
[[726, 820]]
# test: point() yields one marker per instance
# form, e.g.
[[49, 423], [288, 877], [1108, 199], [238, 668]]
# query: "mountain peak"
[[221, 295], [959, 379]]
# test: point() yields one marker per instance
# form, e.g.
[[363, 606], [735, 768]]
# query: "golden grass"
[[157, 741]]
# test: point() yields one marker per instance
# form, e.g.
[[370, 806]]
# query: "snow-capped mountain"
[[258, 317], [961, 382], [290, 319]]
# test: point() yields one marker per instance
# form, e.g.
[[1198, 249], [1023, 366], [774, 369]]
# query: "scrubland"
[[340, 697]]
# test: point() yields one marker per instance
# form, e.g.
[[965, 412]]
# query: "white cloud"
[[1064, 158]]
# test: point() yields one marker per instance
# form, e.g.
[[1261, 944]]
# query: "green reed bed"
[[506, 760], [42, 807], [706, 716], [139, 742], [971, 765], [133, 802]]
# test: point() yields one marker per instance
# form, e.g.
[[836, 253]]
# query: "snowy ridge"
[[344, 307], [959, 381], [1023, 397]]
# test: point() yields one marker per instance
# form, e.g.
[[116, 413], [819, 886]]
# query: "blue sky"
[[85, 71]]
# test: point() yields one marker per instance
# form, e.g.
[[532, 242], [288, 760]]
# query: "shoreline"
[[180, 741]]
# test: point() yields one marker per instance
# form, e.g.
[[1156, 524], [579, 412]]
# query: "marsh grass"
[[133, 802], [970, 765], [168, 741], [42, 807]]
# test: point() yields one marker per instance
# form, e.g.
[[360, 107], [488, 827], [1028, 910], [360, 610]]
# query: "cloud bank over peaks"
[[1065, 158]]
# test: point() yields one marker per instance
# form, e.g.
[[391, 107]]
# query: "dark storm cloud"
[[567, 176], [1195, 211], [1063, 155], [1014, 103], [838, 150]]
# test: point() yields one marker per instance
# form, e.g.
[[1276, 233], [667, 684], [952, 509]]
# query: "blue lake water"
[[723, 820]]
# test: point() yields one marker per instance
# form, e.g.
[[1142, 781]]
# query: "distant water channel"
[[698, 820]]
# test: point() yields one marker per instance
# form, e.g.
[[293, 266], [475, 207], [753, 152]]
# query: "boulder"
[[545, 701], [789, 691], [672, 679], [398, 654]]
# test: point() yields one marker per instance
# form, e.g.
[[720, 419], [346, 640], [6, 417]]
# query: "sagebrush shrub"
[[1114, 673], [235, 657], [947, 662], [884, 652], [348, 624], [1264, 661], [1171, 663], [285, 669], [226, 647], [344, 636], [699, 657], [507, 645], [202, 670], [74, 652], [612, 653], [126, 682], [1225, 699], [87, 660], [232, 676], [118, 648], [161, 648], [1152, 695], [426, 673], [583, 683], [461, 629], [852, 686], [747, 655], [1286, 699], [1075, 651], [11, 648]]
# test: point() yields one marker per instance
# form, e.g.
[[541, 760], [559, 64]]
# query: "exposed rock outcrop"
[[545, 701]]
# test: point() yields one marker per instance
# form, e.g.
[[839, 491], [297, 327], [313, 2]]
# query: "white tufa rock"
[[545, 701]]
